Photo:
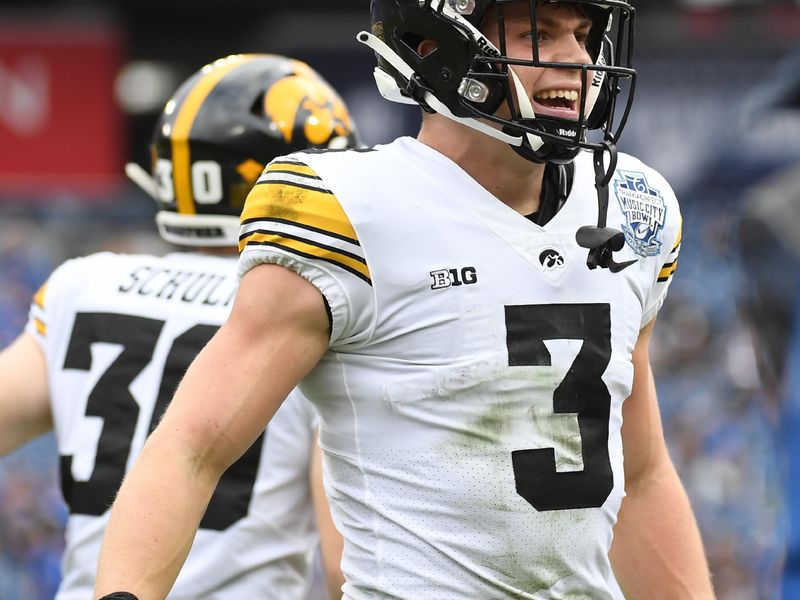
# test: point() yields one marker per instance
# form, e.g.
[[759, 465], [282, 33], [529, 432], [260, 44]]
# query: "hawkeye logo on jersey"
[[645, 212], [446, 278], [551, 259]]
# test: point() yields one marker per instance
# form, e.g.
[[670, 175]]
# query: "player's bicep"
[[642, 435], [276, 333], [24, 395]]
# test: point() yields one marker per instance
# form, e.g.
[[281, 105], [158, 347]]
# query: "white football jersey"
[[118, 332], [470, 402]]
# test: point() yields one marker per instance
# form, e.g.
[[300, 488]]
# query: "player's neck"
[[493, 164]]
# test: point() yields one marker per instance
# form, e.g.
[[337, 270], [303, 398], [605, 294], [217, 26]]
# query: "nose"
[[570, 50]]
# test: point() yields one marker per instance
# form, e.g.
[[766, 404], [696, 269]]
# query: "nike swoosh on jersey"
[[291, 209]]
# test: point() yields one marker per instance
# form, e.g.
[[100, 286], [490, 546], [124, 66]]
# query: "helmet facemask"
[[471, 78]]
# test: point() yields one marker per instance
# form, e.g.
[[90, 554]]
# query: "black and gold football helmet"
[[467, 78], [220, 129]]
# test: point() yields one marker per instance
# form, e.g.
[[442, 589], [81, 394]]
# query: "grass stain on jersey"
[[286, 203], [508, 410], [502, 410]]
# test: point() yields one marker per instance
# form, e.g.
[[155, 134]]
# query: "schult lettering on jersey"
[[471, 432], [192, 287], [118, 333]]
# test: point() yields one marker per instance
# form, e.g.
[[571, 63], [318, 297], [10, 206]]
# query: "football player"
[[470, 311], [110, 336]]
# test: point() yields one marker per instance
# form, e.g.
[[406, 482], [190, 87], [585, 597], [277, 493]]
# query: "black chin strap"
[[602, 241]]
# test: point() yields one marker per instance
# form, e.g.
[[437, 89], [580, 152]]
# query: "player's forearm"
[[24, 395], [153, 522], [657, 551]]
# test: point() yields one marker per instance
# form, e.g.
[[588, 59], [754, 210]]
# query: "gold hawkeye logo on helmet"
[[300, 103]]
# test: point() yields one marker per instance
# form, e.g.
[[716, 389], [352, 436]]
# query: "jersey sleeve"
[[291, 218], [47, 305], [37, 315], [667, 260]]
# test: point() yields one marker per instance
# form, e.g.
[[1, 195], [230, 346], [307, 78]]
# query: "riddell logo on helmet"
[[487, 47], [567, 132]]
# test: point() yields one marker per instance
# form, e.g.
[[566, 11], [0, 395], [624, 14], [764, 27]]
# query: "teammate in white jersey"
[[470, 312], [110, 336]]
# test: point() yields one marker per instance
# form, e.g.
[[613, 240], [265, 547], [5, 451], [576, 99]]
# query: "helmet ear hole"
[[427, 47], [419, 45]]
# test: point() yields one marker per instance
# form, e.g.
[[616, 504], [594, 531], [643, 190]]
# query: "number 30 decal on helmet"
[[220, 129]]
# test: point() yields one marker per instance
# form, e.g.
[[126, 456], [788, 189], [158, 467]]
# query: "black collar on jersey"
[[556, 186]]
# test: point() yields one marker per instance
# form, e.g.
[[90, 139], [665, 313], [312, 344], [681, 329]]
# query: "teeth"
[[553, 94]]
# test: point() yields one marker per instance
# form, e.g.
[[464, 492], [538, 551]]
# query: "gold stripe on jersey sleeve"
[[41, 328], [301, 206], [351, 263], [667, 270], [181, 159], [680, 237], [38, 297]]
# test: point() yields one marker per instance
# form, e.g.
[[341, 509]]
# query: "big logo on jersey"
[[314, 110], [645, 212]]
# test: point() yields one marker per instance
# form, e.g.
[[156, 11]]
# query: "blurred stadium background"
[[81, 83]]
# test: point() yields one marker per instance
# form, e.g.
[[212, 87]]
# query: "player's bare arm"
[[330, 540], [277, 331], [657, 550], [24, 397]]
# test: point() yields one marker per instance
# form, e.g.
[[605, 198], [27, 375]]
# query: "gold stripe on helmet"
[[181, 159]]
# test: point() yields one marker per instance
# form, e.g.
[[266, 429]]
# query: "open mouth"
[[557, 103]]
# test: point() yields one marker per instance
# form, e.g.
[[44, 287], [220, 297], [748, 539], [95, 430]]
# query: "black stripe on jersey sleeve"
[[295, 184], [312, 257], [295, 173], [310, 242], [344, 238]]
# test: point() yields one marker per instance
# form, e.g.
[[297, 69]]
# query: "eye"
[[582, 37], [540, 35]]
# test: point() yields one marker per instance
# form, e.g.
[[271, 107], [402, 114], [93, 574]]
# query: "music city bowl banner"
[[61, 130]]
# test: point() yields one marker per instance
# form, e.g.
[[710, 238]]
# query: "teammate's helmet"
[[221, 128], [467, 77]]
